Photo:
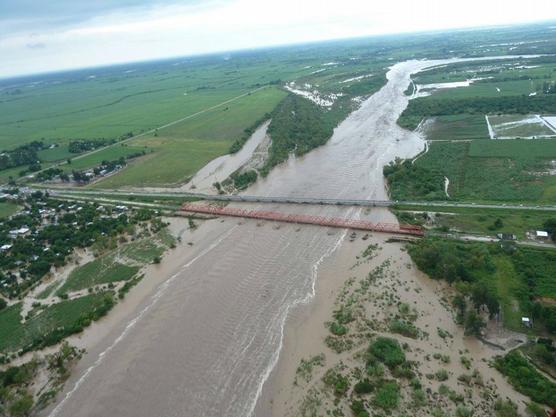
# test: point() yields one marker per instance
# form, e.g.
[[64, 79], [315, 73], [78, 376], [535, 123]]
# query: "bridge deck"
[[306, 219]]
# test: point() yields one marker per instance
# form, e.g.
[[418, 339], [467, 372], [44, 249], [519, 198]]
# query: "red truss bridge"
[[404, 229]]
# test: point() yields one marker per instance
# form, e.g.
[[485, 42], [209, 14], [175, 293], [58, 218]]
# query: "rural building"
[[541, 234], [526, 321], [22, 231]]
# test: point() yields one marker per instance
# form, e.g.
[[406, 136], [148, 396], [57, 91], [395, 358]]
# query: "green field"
[[456, 127], [7, 209], [100, 271], [66, 315], [526, 149], [182, 149], [499, 77], [484, 170]]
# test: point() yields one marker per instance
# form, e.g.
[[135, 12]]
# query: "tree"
[[550, 227], [461, 306], [473, 323], [22, 406], [3, 304], [482, 295]]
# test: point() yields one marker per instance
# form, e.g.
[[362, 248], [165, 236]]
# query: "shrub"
[[388, 351], [462, 411], [337, 329], [22, 406], [505, 408], [337, 381], [535, 410], [441, 375], [358, 409], [404, 328], [387, 396], [363, 387]]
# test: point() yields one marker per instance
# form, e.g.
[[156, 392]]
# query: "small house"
[[526, 321], [541, 234]]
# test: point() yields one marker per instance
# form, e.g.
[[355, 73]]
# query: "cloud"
[[36, 45], [111, 31]]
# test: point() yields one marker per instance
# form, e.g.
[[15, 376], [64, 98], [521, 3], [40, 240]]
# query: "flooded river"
[[206, 340]]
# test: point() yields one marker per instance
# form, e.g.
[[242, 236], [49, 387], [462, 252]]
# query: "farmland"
[[456, 127], [44, 327], [482, 170]]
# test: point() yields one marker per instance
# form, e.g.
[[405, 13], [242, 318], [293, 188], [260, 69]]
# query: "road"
[[296, 200]]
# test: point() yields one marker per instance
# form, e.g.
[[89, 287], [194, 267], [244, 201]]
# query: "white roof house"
[[21, 231], [541, 233], [5, 247]]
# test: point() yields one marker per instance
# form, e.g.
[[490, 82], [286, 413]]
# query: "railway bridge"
[[404, 229]]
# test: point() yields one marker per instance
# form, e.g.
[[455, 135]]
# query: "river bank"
[[439, 347]]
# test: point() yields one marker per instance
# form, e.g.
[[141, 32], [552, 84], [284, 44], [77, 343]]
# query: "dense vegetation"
[[502, 170], [298, 125], [493, 277], [84, 145], [526, 379], [22, 155], [407, 180]]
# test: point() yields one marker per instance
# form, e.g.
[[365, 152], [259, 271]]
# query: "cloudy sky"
[[47, 35]]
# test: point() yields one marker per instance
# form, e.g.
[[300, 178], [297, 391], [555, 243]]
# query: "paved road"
[[298, 200]]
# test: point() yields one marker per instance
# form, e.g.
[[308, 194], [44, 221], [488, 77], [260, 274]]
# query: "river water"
[[205, 343]]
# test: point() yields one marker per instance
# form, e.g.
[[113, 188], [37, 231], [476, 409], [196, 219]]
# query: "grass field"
[[65, 314], [100, 271], [182, 149], [143, 251], [7, 209], [482, 221], [456, 127], [483, 170], [526, 149]]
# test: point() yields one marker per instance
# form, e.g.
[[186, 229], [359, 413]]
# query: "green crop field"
[[526, 149], [65, 314], [100, 271], [456, 127]]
